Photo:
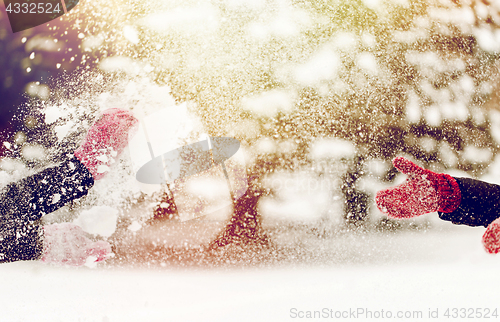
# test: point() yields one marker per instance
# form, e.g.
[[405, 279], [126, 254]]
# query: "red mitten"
[[491, 237], [423, 192], [67, 244], [105, 140]]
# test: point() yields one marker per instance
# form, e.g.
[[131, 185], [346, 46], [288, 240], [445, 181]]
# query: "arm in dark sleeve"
[[23, 203], [480, 203]]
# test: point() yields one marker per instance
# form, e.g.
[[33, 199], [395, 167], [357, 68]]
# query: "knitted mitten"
[[491, 237], [66, 244], [105, 140], [423, 192]]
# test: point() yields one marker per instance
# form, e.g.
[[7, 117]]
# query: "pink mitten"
[[105, 140], [423, 192], [66, 244], [491, 237]]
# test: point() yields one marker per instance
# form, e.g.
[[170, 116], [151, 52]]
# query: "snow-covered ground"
[[401, 273]]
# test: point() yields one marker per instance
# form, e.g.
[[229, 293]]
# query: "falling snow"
[[322, 95]]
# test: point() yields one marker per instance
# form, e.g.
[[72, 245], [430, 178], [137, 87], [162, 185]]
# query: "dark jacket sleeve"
[[23, 203], [480, 203]]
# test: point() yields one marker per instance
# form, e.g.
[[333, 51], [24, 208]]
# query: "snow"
[[99, 220], [120, 63], [433, 115], [55, 198], [332, 148], [134, 226], [322, 66], [102, 168], [265, 145], [33, 152], [447, 155], [493, 173], [412, 271], [36, 89], [52, 114], [166, 130], [477, 155], [130, 33], [367, 62], [372, 4], [488, 40], [302, 198], [63, 130], [413, 113], [269, 103], [283, 21], [190, 20], [11, 165], [243, 62], [345, 41]]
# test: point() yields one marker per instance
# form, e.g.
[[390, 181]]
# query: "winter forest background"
[[322, 96]]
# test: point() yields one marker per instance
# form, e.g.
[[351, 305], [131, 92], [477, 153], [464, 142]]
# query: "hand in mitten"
[[105, 140], [423, 192], [66, 244], [491, 237]]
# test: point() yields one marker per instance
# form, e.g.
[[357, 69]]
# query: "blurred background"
[[322, 96]]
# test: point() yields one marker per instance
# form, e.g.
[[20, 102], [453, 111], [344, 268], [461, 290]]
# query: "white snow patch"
[[454, 111], [102, 168], [63, 130], [269, 103], [433, 116], [372, 4], [90, 262], [428, 268], [427, 143], [481, 10], [102, 158], [287, 146], [345, 41], [477, 155], [288, 22], [131, 34], [33, 152], [300, 197], [368, 40], [90, 43], [265, 145], [322, 66], [332, 148], [134, 226], [99, 220], [53, 113], [195, 20], [495, 128], [487, 39], [9, 164], [367, 62], [120, 63], [447, 155], [466, 82], [413, 110], [55, 198], [207, 188], [245, 4], [377, 167]]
